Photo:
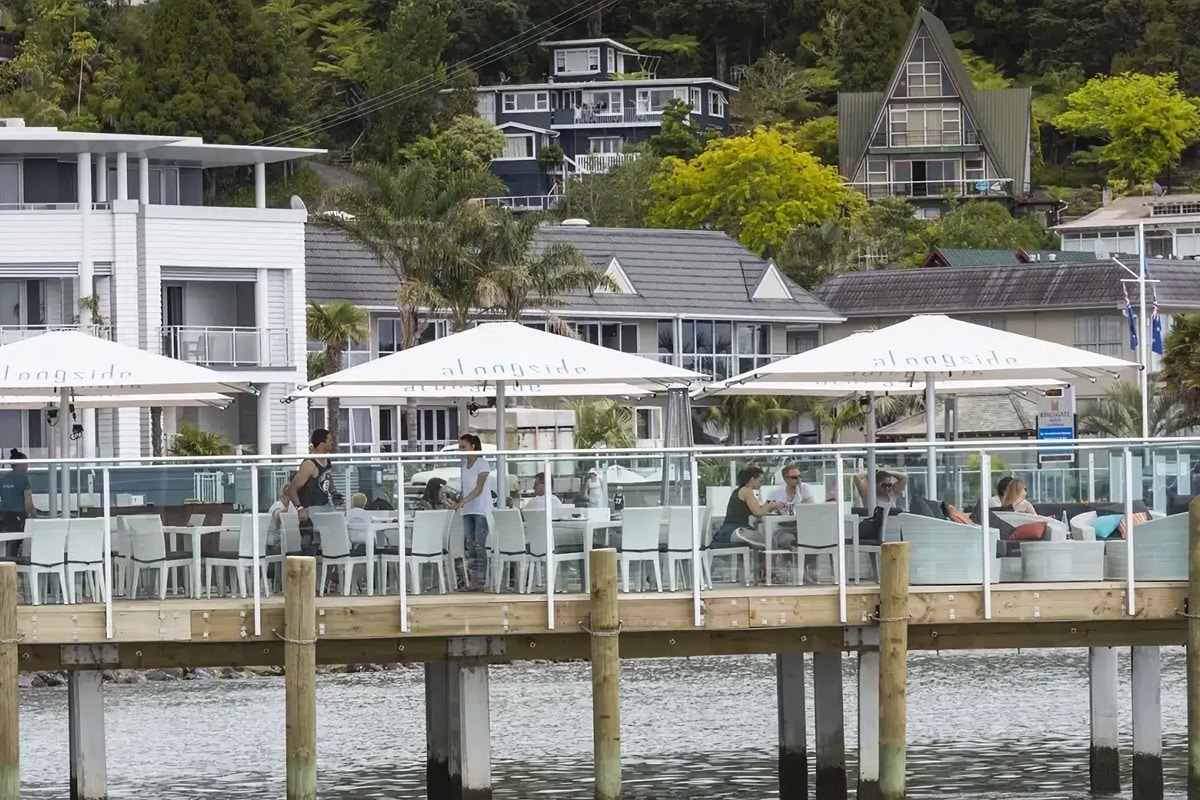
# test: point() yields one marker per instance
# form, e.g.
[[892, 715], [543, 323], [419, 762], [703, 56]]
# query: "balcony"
[[529, 202], [11, 334], [226, 347], [585, 117], [875, 190], [594, 163], [718, 366], [7, 207], [926, 140]]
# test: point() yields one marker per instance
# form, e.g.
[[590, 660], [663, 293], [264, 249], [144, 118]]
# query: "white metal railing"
[[994, 187], [208, 487], [589, 163], [226, 346], [50, 207], [529, 202], [931, 139], [10, 334], [625, 115]]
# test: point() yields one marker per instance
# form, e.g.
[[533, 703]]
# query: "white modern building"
[[111, 232], [1171, 222]]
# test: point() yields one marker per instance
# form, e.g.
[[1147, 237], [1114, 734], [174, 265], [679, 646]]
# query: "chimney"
[[1052, 256]]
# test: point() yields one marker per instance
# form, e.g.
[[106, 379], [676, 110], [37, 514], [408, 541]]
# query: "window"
[[801, 341], [613, 335], [924, 79], [877, 171], [921, 126], [390, 333], [694, 95], [356, 353], [604, 144], [355, 432], [653, 101], [10, 183], [517, 146], [1106, 335], [605, 102], [164, 186], [575, 62], [526, 102], [716, 104], [717, 348]]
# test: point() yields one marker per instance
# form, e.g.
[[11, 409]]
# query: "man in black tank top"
[[311, 488]]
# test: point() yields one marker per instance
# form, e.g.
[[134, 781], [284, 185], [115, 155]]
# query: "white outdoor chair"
[[718, 501], [289, 544], [47, 558], [196, 520], [641, 530], [148, 552], [456, 550], [817, 531], [241, 560], [428, 549], [535, 532], [677, 550], [85, 558], [229, 537], [336, 551], [508, 549]]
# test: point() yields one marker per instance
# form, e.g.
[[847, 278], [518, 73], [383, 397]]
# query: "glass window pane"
[[629, 338], [666, 336]]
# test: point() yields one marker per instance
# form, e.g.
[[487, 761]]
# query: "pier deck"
[[220, 632]]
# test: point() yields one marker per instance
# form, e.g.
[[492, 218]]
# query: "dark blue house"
[[601, 97]]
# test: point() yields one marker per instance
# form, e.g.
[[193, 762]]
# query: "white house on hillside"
[[121, 218]]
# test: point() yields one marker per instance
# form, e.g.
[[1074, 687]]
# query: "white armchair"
[[1160, 551], [947, 553]]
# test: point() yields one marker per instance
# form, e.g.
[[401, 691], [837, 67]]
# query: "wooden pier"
[[456, 636]]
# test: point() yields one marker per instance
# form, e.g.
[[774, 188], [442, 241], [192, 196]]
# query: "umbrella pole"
[[931, 438], [64, 438], [872, 463], [51, 473], [501, 446]]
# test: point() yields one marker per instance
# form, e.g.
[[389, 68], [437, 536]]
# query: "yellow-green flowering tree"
[[757, 188]]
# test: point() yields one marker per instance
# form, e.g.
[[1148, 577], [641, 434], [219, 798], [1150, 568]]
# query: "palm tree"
[[1181, 363], [603, 421], [741, 413], [519, 275], [334, 325], [1118, 414]]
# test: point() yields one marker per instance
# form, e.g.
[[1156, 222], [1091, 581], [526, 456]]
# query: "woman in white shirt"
[[475, 506]]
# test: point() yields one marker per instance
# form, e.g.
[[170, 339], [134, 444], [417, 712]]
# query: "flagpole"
[[1143, 339]]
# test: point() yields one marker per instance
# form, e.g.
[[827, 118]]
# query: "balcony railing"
[[10, 334], [591, 163], [531, 202], [626, 115], [50, 207], [996, 187], [718, 366], [227, 347], [928, 139]]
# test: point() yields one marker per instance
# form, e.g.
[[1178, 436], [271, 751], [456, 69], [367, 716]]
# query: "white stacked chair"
[[641, 531], [47, 559], [677, 551], [289, 544], [336, 551], [508, 549], [148, 552], [85, 558], [241, 560], [428, 549], [535, 532], [817, 530]]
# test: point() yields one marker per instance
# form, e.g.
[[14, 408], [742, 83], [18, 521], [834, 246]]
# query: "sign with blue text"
[[1056, 422]]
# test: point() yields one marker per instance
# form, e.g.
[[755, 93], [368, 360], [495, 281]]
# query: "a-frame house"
[[932, 133]]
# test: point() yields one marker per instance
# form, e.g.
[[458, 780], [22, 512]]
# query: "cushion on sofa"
[[1138, 518], [925, 508], [1029, 532], [1106, 526]]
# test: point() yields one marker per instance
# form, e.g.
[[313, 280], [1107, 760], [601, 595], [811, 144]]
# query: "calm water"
[[698, 728]]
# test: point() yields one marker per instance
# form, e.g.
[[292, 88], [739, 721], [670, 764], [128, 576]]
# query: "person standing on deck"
[[311, 489], [16, 498], [475, 506]]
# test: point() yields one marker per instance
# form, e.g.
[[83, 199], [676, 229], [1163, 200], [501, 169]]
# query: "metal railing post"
[[989, 550], [697, 567], [1127, 456], [255, 534], [841, 540], [106, 504]]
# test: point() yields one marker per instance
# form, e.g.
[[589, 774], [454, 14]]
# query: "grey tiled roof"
[[1022, 287], [978, 415], [697, 273]]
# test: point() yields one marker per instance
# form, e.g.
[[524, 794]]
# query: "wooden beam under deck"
[[195, 633]]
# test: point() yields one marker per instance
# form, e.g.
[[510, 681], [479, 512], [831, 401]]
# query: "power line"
[[490, 55]]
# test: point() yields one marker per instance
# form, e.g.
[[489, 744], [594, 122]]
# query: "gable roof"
[[699, 274], [1037, 286], [616, 274], [979, 415], [531, 128], [970, 257], [1002, 117], [771, 286]]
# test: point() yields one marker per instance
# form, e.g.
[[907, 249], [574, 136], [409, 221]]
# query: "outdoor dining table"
[[197, 533]]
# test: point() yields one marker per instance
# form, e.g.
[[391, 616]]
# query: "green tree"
[[1181, 363], [818, 136], [1145, 122], [987, 225], [1118, 414], [468, 143], [618, 198], [192, 440], [873, 33], [335, 325], [775, 89], [757, 188], [521, 275], [679, 136], [604, 421], [217, 69], [742, 414]]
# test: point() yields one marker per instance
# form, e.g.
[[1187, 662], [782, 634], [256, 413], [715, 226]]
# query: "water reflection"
[[981, 725]]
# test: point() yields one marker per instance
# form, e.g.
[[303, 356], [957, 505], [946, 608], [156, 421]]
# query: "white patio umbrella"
[[374, 393], [923, 349], [33, 402]]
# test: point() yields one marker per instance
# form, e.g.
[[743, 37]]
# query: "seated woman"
[[1014, 495], [889, 486], [743, 504], [435, 497]]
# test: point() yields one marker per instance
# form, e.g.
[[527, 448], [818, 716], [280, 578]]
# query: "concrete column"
[[122, 176], [1104, 758], [454, 746], [260, 185], [1146, 676], [437, 767], [793, 726], [101, 193], [85, 709], [86, 269], [474, 730], [830, 725], [263, 442], [144, 180], [868, 725]]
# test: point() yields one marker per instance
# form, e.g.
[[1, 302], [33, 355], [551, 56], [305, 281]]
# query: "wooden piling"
[[793, 739], [605, 626], [1104, 757], [830, 724], [475, 731], [893, 669], [1193, 651], [85, 710], [868, 725], [437, 765], [1146, 679], [300, 675], [10, 773]]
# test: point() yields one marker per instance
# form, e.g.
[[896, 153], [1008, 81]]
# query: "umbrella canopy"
[[746, 384], [87, 365], [510, 353], [373, 393], [120, 401], [933, 345]]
